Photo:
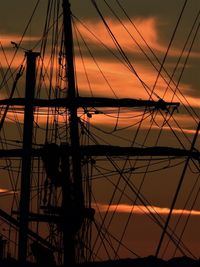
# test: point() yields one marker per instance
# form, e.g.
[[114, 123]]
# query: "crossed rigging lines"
[[159, 73], [150, 92]]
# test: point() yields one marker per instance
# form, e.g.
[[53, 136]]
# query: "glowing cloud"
[[6, 39], [140, 210], [130, 37], [121, 32]]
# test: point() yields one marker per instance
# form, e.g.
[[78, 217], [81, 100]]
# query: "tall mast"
[[26, 154], [74, 130], [75, 158]]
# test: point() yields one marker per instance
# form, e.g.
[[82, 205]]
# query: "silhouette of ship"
[[59, 162]]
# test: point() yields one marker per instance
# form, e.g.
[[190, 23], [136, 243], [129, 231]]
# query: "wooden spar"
[[95, 102], [107, 150]]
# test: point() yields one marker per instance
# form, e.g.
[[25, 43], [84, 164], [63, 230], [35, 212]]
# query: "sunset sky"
[[153, 23]]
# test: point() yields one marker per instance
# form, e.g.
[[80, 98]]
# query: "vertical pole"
[[26, 157], [74, 136]]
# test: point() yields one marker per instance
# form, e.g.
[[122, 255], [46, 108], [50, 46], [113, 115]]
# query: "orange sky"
[[156, 29]]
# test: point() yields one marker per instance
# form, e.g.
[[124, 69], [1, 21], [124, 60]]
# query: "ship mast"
[[26, 155], [73, 210]]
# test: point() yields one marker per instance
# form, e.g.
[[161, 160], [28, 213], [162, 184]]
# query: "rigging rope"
[[157, 59], [123, 54], [177, 193]]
